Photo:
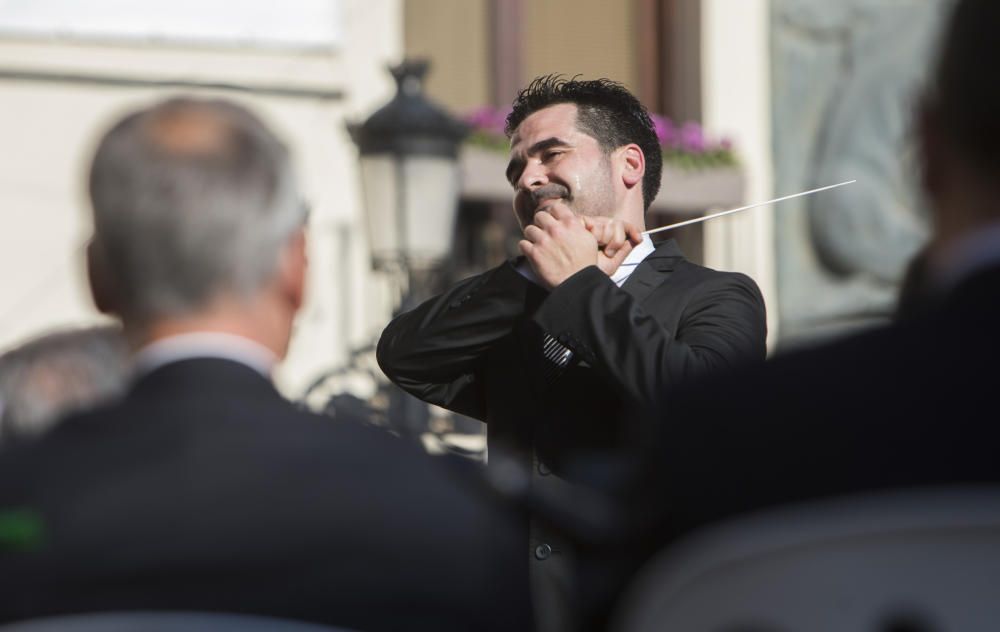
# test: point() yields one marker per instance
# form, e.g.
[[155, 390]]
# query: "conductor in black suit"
[[203, 489], [912, 404], [554, 350]]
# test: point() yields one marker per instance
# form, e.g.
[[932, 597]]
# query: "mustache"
[[550, 191]]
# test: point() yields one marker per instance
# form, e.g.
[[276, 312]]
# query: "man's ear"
[[100, 281], [292, 272], [633, 164]]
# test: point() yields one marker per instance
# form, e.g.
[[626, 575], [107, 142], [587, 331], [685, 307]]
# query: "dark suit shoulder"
[[901, 405], [252, 425], [711, 278], [242, 485]]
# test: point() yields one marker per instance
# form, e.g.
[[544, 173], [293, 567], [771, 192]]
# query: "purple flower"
[[692, 137], [488, 119], [480, 117], [665, 130], [687, 140]]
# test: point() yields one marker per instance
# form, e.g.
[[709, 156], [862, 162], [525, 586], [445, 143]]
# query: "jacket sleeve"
[[437, 351], [723, 325]]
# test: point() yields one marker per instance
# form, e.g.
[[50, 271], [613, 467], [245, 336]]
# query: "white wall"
[[736, 103], [47, 132]]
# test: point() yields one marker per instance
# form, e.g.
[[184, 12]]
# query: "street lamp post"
[[410, 179]]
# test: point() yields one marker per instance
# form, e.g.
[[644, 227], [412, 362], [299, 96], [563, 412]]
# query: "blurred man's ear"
[[292, 269], [99, 280]]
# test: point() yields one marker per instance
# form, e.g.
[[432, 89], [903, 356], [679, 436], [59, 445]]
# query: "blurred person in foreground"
[[557, 349], [912, 404], [203, 489], [52, 375]]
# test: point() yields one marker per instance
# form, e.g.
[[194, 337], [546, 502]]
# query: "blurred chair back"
[[916, 561], [164, 622]]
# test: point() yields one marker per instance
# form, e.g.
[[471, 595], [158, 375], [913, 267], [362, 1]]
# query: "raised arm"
[[436, 351]]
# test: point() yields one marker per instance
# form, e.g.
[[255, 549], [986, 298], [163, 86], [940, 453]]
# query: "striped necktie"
[[557, 357]]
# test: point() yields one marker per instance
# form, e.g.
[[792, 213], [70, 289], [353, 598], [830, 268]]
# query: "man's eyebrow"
[[516, 165]]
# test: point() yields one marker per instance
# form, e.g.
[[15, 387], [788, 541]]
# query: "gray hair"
[[42, 380], [192, 198]]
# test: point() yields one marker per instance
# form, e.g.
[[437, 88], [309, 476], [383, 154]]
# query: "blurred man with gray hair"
[[54, 374], [203, 489]]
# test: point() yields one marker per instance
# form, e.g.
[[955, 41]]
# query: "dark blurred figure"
[[203, 489], [912, 404], [52, 375], [917, 291]]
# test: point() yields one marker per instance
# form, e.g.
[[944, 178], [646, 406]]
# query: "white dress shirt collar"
[[204, 345], [632, 261]]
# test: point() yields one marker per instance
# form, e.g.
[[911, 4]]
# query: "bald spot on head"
[[190, 130], [193, 200]]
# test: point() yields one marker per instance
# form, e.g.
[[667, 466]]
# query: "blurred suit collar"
[[204, 345]]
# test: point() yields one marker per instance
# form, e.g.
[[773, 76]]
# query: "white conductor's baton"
[[745, 208]]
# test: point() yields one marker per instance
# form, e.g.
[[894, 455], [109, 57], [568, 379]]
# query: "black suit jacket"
[[911, 404], [204, 489], [477, 350]]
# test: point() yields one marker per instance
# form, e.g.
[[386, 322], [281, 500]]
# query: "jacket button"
[[543, 552], [543, 469]]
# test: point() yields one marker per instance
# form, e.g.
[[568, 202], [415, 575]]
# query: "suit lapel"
[[653, 270], [528, 338]]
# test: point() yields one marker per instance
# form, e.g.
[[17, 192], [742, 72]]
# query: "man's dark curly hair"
[[606, 111]]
